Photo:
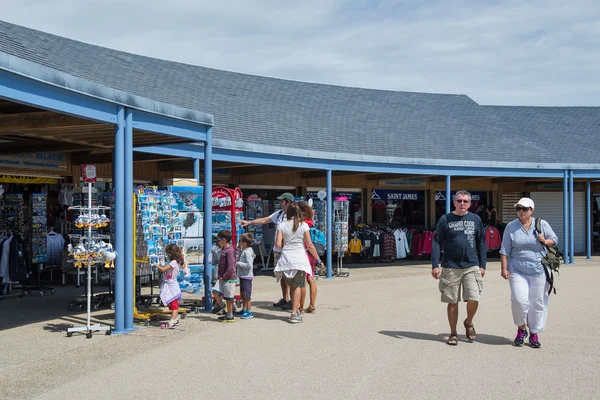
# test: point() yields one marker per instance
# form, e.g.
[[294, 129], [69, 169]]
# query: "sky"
[[500, 52]]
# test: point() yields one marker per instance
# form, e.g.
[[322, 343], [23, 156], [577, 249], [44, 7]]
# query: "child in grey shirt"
[[245, 266]]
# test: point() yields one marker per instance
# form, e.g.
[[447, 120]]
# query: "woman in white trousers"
[[523, 248]]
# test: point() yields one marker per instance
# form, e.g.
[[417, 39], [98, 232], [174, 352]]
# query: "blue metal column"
[[566, 215], [119, 221], [329, 225], [197, 171], [207, 218], [448, 195], [129, 228], [571, 220], [588, 219]]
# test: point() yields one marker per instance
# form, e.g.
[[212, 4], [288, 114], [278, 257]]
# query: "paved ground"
[[377, 334]]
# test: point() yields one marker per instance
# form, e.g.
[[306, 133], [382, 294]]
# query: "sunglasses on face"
[[523, 209], [463, 201]]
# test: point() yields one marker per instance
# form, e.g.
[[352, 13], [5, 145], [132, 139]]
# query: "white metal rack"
[[87, 242], [341, 213]]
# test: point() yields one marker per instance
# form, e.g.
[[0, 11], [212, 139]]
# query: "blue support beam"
[[329, 225], [150, 122], [571, 220], [119, 221], [448, 194], [129, 228], [588, 220], [566, 216], [208, 220], [175, 150], [197, 171], [42, 95]]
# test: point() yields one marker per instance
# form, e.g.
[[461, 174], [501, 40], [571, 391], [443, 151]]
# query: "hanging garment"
[[355, 246], [376, 245], [389, 246], [54, 245], [493, 241], [402, 247], [19, 266], [4, 260], [427, 243]]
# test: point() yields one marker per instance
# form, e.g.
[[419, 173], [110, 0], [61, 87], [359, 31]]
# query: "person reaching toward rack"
[[170, 293]]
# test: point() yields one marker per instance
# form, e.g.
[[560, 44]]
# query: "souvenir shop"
[[31, 209], [399, 208], [479, 201]]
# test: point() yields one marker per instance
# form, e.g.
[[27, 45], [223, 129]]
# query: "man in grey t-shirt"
[[461, 235], [276, 218]]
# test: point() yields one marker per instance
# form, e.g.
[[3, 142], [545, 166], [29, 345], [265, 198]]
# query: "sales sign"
[[88, 172]]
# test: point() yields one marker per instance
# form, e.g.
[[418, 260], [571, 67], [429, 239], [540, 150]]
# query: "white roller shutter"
[[549, 206], [509, 199]]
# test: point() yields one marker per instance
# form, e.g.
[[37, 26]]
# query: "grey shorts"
[[225, 289], [452, 279], [298, 280]]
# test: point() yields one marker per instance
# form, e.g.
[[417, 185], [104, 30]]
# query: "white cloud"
[[540, 52]]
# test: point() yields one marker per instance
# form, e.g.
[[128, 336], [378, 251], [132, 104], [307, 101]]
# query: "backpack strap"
[[547, 271], [549, 279]]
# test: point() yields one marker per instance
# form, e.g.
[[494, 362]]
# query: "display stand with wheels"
[[89, 251], [341, 213]]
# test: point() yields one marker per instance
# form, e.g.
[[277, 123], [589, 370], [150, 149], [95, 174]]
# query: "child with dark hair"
[[225, 287], [245, 273], [170, 293]]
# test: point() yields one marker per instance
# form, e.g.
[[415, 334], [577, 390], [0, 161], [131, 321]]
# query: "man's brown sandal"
[[470, 331], [452, 340]]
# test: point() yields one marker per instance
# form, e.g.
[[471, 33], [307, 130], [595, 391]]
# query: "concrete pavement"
[[378, 334]]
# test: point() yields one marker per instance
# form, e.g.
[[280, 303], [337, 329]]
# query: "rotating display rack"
[[90, 250]]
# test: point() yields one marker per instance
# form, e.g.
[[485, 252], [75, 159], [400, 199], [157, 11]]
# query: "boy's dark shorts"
[[246, 289]]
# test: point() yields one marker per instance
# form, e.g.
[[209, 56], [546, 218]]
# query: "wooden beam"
[[261, 169], [321, 173], [378, 177], [107, 158], [41, 120], [30, 146], [187, 164]]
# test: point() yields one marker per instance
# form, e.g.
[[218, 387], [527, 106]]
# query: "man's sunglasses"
[[523, 209], [463, 201]]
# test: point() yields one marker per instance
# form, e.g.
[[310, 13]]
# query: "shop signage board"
[[475, 196], [27, 180], [39, 160], [88, 173], [413, 182], [397, 195]]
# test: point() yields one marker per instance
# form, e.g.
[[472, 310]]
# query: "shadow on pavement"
[[442, 337]]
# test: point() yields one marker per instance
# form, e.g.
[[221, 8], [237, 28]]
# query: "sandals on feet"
[[452, 340], [470, 331], [310, 309]]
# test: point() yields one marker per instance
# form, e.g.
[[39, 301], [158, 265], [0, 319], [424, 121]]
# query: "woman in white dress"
[[293, 265]]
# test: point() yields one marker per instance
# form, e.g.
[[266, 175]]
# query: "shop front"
[[479, 202], [399, 208]]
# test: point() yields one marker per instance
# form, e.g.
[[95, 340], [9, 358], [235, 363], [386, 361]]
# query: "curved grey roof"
[[326, 119]]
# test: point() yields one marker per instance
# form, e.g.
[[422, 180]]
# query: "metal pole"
[[588, 218], [566, 215], [571, 220], [329, 225], [207, 219], [129, 228], [119, 221], [197, 171], [448, 195]]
